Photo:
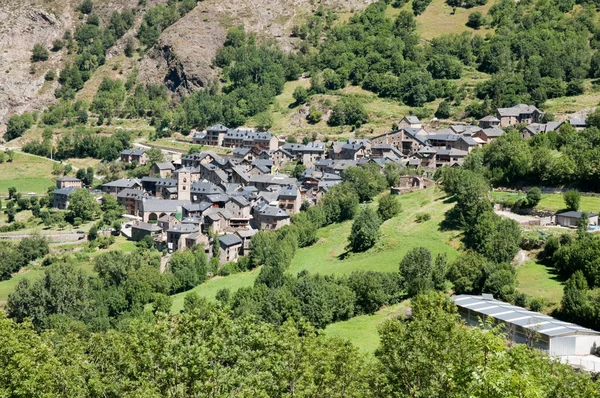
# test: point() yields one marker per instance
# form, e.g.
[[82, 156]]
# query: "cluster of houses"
[[205, 196]]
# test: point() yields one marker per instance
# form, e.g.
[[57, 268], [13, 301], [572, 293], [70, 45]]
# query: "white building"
[[571, 343]]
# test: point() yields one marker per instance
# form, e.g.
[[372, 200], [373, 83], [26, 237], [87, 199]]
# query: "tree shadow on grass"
[[452, 221], [343, 256]]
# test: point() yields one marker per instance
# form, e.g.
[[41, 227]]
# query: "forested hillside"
[[355, 69]]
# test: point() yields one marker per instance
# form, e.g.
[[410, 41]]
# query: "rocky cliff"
[[181, 58]]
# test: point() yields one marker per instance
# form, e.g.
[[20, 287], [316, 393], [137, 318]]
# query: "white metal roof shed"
[[523, 326]]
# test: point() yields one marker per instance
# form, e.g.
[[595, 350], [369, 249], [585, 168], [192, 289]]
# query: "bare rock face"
[[24, 23], [182, 57]]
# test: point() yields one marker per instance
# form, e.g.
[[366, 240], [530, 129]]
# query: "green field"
[[399, 235], [537, 280], [209, 289], [328, 255], [27, 173], [361, 330], [554, 202], [32, 272]]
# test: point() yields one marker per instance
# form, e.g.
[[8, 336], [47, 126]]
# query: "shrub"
[[314, 115], [50, 75], [388, 207], [40, 53], [572, 199], [422, 217], [534, 195], [476, 20]]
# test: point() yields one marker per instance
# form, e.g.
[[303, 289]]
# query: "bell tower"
[[184, 183]]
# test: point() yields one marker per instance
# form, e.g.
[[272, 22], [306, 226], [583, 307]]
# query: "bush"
[[58, 45], [365, 231], [422, 217], [388, 207], [476, 20], [300, 95], [572, 199], [40, 53], [534, 195], [443, 110], [419, 6], [314, 116], [50, 76], [537, 304], [348, 111], [86, 7]]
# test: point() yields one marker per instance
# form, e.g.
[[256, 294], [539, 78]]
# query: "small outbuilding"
[[571, 218]]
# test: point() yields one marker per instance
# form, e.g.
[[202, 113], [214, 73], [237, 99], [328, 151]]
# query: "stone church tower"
[[184, 183]]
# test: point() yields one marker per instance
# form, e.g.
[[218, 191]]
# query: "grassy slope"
[[438, 19], [361, 331], [327, 256], [8, 286], [555, 202], [27, 173], [210, 288], [537, 280]]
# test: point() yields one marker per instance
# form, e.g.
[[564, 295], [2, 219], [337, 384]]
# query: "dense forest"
[[206, 352]]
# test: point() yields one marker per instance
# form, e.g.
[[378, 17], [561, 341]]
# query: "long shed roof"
[[512, 314]]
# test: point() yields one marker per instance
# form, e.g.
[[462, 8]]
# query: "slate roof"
[[240, 200], [220, 197], [452, 152], [246, 233], [131, 193], [315, 146], [412, 119], [164, 165], [144, 226], [289, 191], [123, 183], [489, 118], [536, 128], [166, 182], [517, 110], [205, 187], [194, 207], [65, 191], [183, 229], [277, 179], [443, 137], [575, 214], [167, 206], [248, 135], [493, 132], [468, 140], [133, 152], [230, 240], [274, 211], [241, 151]]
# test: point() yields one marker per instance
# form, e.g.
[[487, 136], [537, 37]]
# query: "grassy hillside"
[[27, 173], [361, 331], [537, 280], [329, 256], [554, 202]]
